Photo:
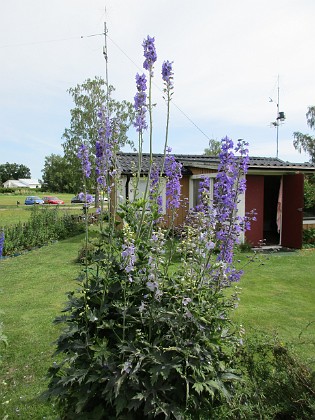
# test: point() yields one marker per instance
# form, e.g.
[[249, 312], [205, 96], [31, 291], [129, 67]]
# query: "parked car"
[[33, 199], [79, 199], [52, 200]]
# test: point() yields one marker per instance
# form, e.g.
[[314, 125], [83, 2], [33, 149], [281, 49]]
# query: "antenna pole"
[[106, 65], [280, 116]]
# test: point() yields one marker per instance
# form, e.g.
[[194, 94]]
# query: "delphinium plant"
[[145, 337]]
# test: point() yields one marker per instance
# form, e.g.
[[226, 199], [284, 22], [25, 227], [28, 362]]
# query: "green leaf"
[[230, 377], [198, 387], [119, 383]]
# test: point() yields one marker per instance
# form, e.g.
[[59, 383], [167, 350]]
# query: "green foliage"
[[214, 148], [7, 190], [309, 236], [306, 142], [20, 191], [89, 97], [245, 246], [13, 171], [57, 175], [44, 226], [131, 353], [309, 193], [275, 384]]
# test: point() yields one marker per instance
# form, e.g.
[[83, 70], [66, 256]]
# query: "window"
[[194, 186], [141, 188]]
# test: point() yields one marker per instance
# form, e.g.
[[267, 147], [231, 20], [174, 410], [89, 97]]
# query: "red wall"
[[254, 199]]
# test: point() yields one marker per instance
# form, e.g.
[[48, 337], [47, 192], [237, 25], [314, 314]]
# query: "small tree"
[[57, 174], [89, 97], [306, 142], [213, 149]]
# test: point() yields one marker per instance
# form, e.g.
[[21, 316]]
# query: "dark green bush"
[[309, 236], [128, 363], [276, 385], [7, 190], [44, 226], [19, 191]]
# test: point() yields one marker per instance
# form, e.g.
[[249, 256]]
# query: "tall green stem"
[[151, 158], [167, 128]]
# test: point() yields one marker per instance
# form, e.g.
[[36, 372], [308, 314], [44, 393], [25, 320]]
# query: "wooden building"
[[274, 189]]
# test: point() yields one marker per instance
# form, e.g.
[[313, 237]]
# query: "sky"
[[229, 58]]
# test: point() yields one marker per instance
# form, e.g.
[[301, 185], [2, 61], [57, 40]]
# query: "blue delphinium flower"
[[154, 188], [149, 53], [128, 254], [173, 172], [128, 257], [83, 155], [104, 151], [204, 195], [1, 242], [167, 73], [87, 198], [140, 103], [216, 224], [230, 183], [155, 257]]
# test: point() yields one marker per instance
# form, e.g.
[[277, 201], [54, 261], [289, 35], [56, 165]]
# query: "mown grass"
[[277, 296], [33, 288]]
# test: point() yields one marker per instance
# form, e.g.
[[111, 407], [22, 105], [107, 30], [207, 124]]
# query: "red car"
[[52, 200]]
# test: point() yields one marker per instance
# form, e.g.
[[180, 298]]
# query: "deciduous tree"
[[306, 142], [213, 149], [89, 97], [13, 171], [57, 174]]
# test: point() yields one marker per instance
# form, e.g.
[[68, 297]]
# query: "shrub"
[[275, 384], [44, 226], [7, 190], [309, 236], [309, 193]]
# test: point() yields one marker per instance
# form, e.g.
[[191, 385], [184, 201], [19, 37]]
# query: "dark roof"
[[128, 162]]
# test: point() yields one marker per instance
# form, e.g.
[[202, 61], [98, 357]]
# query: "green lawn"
[[33, 288], [10, 199], [277, 296], [11, 213]]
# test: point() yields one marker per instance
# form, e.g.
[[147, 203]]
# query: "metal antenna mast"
[[278, 101], [106, 64], [280, 116]]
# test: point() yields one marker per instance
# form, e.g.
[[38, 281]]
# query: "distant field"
[[11, 199], [11, 212]]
